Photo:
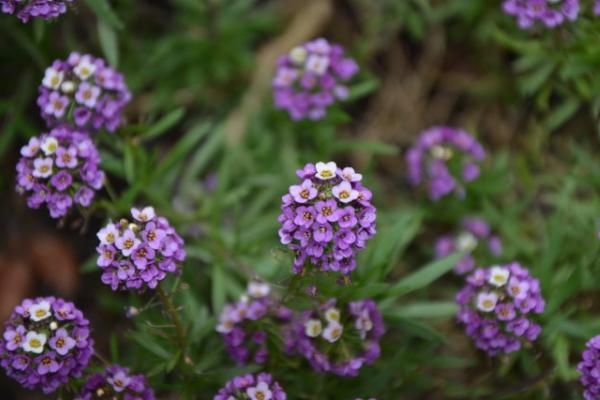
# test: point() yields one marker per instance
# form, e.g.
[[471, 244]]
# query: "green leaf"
[[562, 113], [424, 276], [445, 309], [129, 162], [364, 145], [218, 287], [109, 43], [104, 12], [164, 124]]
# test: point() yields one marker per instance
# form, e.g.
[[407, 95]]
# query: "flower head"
[[45, 343], [474, 233], [497, 306], [243, 324], [588, 368], [44, 9], [445, 159], [335, 339], [311, 78], [549, 13], [252, 387], [83, 91], [60, 168], [328, 218], [116, 383], [140, 254]]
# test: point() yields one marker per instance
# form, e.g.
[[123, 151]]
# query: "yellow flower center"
[[344, 194], [44, 168], [128, 243], [260, 396], [305, 193], [35, 343], [40, 313], [327, 211], [488, 303], [326, 173]]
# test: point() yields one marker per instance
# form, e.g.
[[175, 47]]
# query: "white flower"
[[67, 87], [34, 342], [298, 55], [466, 242], [332, 315], [258, 290], [52, 78], [344, 192], [363, 324], [39, 311], [350, 175], [326, 171], [313, 328], [333, 332], [85, 68], [42, 167], [225, 325], [499, 276], [53, 326], [108, 234], [441, 152], [317, 64], [487, 301], [259, 392], [143, 215], [49, 146]]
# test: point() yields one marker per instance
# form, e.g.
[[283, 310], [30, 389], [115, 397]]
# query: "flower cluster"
[[589, 367], [327, 218], [474, 231], [311, 78], [433, 160], [238, 324], [26, 9], [136, 254], [45, 343], [115, 383], [550, 13], [251, 387], [60, 169], [335, 341], [496, 306], [83, 91]]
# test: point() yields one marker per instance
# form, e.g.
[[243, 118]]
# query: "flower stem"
[[174, 316]]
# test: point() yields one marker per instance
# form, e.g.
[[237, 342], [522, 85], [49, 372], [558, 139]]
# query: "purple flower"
[[549, 13], [96, 93], [436, 150], [338, 212], [43, 346], [44, 9], [61, 342], [495, 321], [66, 172], [304, 192], [336, 343], [252, 387], [242, 324], [139, 254], [116, 382], [474, 231], [311, 78]]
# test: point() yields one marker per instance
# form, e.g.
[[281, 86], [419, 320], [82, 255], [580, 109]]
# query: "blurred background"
[[205, 146]]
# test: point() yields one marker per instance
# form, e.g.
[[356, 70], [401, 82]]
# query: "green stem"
[[174, 316]]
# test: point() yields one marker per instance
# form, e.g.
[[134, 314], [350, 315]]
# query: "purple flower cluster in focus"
[[116, 383], [60, 169], [442, 158], [338, 341], [83, 91], [589, 368], [45, 343], [139, 254], [327, 218], [474, 230], [311, 78], [26, 9], [550, 13], [251, 387], [239, 325], [496, 305]]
